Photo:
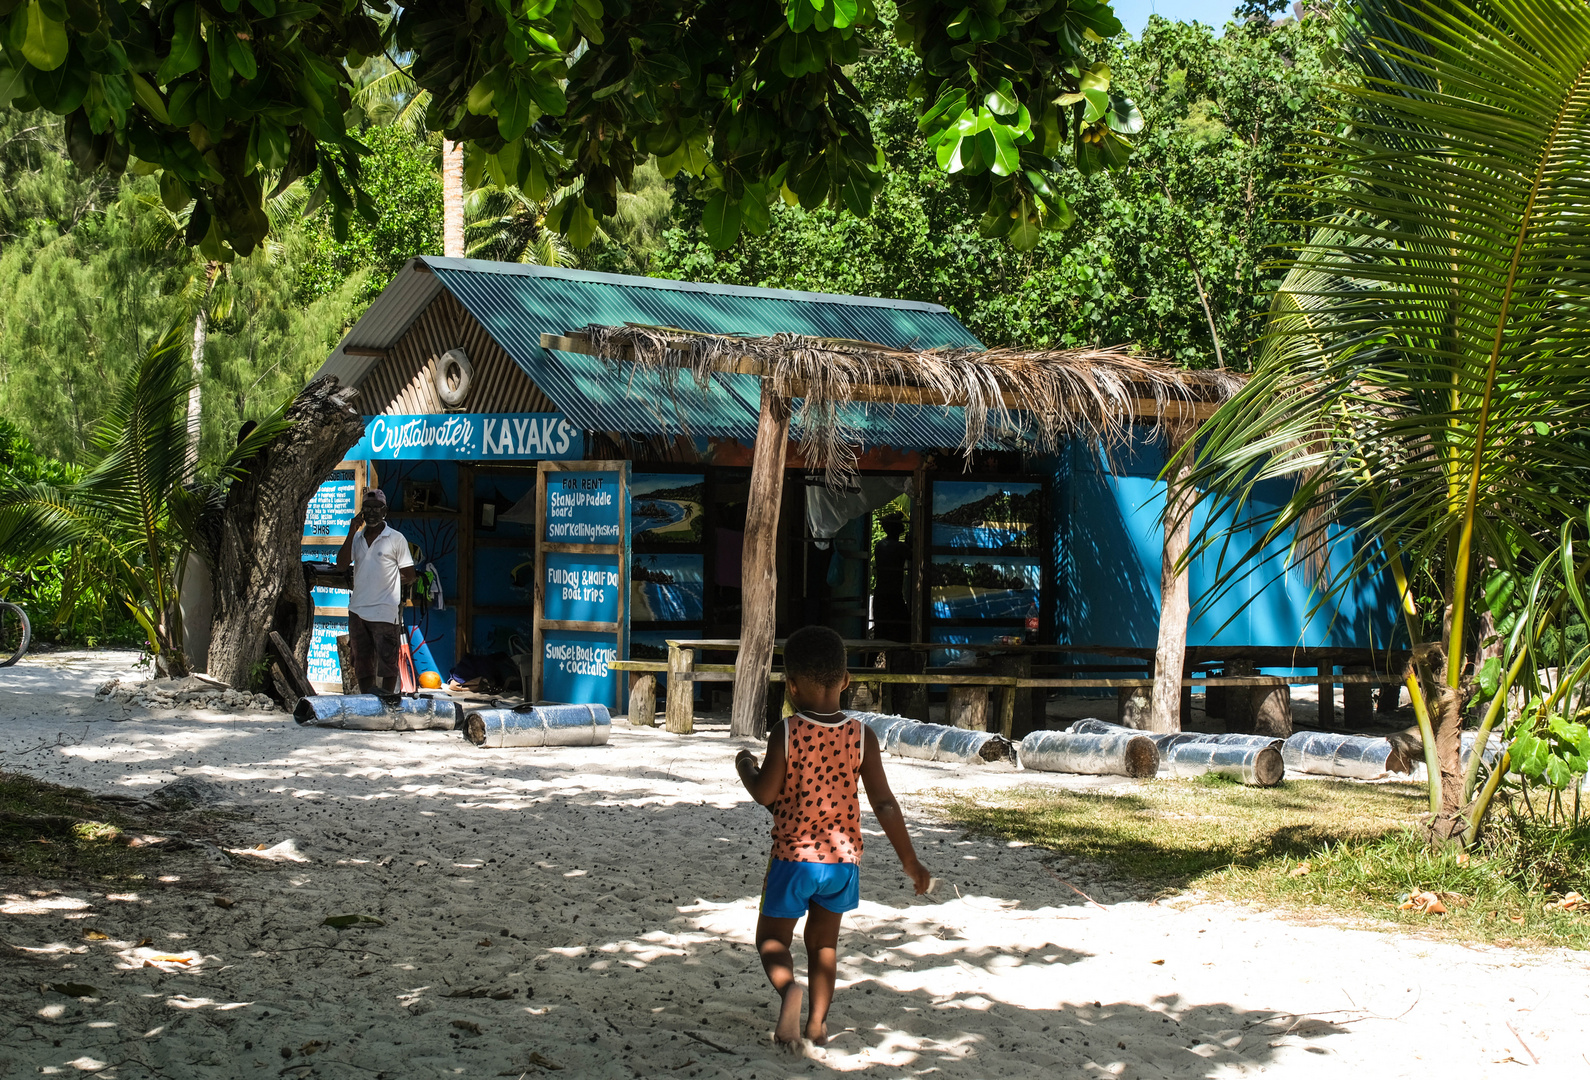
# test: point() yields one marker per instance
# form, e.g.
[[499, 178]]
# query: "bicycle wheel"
[[15, 633]]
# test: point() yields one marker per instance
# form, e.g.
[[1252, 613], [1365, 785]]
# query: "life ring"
[[450, 392]]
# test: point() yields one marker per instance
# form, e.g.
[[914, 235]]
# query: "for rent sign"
[[470, 437]]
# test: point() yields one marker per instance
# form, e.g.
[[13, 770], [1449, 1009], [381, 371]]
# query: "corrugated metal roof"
[[385, 321], [517, 304]]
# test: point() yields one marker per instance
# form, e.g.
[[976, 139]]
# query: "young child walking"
[[808, 779]]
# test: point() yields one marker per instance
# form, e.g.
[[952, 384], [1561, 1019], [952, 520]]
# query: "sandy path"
[[607, 896]]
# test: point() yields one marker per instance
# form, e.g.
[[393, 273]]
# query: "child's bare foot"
[[817, 1033], [787, 1034]]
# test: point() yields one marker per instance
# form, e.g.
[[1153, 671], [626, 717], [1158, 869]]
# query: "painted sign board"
[[582, 581], [324, 668], [574, 667], [332, 506], [470, 437], [582, 508], [581, 588]]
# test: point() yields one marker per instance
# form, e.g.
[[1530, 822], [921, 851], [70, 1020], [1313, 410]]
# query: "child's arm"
[[766, 782], [881, 799]]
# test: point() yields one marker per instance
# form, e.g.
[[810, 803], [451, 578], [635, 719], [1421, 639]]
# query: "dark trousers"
[[375, 649]]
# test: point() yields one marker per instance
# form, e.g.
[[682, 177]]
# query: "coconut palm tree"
[[142, 505], [1424, 382]]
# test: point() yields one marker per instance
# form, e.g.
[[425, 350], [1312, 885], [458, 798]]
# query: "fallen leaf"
[[484, 943], [224, 901], [259, 847], [171, 959], [313, 1046], [341, 921], [76, 990], [1425, 903], [1160, 962], [1519, 919], [1300, 869], [144, 941], [1462, 858], [467, 1025], [95, 935], [537, 1059]]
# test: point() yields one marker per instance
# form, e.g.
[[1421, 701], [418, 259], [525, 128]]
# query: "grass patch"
[[51, 831], [1361, 842]]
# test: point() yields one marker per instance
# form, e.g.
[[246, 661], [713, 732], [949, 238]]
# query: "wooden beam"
[[360, 350], [759, 567], [888, 394]]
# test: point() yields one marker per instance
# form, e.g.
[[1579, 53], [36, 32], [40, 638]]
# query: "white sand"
[[609, 894]]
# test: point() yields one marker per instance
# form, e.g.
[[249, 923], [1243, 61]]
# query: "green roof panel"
[[517, 304]]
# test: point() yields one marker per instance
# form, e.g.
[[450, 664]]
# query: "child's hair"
[[815, 653]]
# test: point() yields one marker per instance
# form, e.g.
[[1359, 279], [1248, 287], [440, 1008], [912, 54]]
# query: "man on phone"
[[382, 570]]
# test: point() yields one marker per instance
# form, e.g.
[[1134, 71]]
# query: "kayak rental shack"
[[573, 507]]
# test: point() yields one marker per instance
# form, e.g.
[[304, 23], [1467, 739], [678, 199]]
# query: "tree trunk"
[[259, 582], [452, 199], [1448, 719], [759, 568], [1174, 604], [201, 336]]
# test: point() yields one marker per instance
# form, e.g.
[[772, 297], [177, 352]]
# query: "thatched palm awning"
[[1053, 394]]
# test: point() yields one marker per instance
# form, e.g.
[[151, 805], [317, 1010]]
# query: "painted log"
[[903, 737], [539, 725], [1255, 766], [366, 712], [1359, 757], [1131, 754]]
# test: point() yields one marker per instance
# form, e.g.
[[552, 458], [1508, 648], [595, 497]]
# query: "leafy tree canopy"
[[229, 99], [1177, 254]]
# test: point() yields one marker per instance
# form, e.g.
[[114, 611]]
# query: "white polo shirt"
[[377, 585]]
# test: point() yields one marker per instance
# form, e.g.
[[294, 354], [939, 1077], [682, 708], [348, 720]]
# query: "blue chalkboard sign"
[[582, 507], [574, 667], [581, 588], [582, 582]]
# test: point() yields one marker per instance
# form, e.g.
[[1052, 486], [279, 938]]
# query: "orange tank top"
[[817, 816]]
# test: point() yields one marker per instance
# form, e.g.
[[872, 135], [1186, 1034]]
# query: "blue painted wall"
[[1109, 564]]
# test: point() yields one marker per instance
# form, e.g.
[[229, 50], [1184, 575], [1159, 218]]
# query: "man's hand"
[[357, 523], [918, 874]]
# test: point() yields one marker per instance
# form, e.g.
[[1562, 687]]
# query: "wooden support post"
[[759, 570], [643, 700], [350, 682], [1132, 706], [681, 705], [907, 699], [1389, 698], [1272, 710], [1174, 603], [1358, 706], [968, 707], [1239, 699], [1327, 696]]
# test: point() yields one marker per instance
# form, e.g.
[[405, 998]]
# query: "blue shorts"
[[791, 887]]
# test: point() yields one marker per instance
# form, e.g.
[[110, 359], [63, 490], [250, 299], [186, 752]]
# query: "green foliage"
[[402, 181], [1550, 749], [1210, 194], [226, 101], [1422, 382]]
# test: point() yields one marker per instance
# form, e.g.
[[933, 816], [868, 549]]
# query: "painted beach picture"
[[989, 517], [982, 587], [666, 588], [666, 508]]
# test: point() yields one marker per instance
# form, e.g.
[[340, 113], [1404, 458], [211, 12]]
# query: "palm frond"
[[1423, 376]]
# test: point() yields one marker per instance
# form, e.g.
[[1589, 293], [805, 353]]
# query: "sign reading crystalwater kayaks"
[[470, 437]]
